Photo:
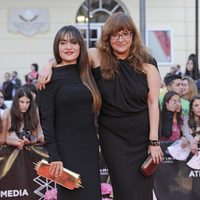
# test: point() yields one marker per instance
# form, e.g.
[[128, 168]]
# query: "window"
[[98, 12]]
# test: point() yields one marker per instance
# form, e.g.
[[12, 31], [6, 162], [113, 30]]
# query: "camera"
[[27, 134]]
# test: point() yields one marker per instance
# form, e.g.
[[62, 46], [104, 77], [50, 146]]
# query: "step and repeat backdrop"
[[18, 179]]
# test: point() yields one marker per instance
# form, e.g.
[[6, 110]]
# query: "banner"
[[18, 179], [174, 180]]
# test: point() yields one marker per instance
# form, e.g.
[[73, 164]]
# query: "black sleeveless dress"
[[67, 120], [124, 131]]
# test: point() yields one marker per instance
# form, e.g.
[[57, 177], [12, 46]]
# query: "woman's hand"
[[171, 106], [26, 140], [13, 140], [194, 148], [156, 153], [184, 142], [19, 144], [45, 75], [56, 168]]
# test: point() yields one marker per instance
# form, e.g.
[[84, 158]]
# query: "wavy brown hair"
[[138, 53], [192, 88], [29, 118], [82, 61]]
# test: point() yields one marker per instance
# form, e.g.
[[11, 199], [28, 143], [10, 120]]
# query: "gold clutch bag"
[[69, 179], [149, 167]]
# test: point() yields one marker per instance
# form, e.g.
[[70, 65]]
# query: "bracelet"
[[154, 142]]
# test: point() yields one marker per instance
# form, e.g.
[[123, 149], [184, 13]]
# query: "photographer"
[[23, 120]]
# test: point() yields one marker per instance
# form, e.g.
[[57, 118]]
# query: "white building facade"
[[28, 27]]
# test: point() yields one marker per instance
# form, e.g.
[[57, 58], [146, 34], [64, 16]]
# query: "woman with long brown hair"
[[67, 109], [189, 88], [129, 83], [23, 120]]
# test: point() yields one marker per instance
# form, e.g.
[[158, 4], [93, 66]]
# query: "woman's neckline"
[[66, 65]]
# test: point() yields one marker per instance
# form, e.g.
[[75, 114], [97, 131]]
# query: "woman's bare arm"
[[153, 80], [5, 127], [45, 74]]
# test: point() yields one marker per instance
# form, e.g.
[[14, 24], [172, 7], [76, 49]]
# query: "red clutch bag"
[[69, 179], [149, 167]]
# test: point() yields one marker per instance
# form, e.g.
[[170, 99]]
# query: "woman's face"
[[69, 50], [176, 102], [185, 87], [196, 107], [190, 65], [33, 68], [24, 103], [121, 42], [1, 99]]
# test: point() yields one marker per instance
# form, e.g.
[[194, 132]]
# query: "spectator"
[[189, 88], [175, 83], [23, 125], [16, 82], [192, 124], [33, 90], [192, 69], [7, 87], [33, 75], [171, 117]]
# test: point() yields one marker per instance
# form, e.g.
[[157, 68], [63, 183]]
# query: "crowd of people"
[[11, 81], [108, 96]]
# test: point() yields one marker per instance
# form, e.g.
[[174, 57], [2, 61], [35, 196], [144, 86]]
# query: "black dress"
[[65, 108], [124, 131]]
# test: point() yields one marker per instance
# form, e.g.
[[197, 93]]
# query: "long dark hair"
[[194, 74], [82, 61], [191, 121], [165, 112], [29, 118], [138, 53]]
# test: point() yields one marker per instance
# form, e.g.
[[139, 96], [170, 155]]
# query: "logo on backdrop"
[[13, 193], [28, 21]]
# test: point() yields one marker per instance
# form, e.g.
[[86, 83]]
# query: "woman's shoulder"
[[4, 114], [149, 67]]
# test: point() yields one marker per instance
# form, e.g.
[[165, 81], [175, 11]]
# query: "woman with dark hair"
[[192, 69], [67, 109], [192, 124], [172, 120], [33, 75], [129, 83], [23, 123]]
